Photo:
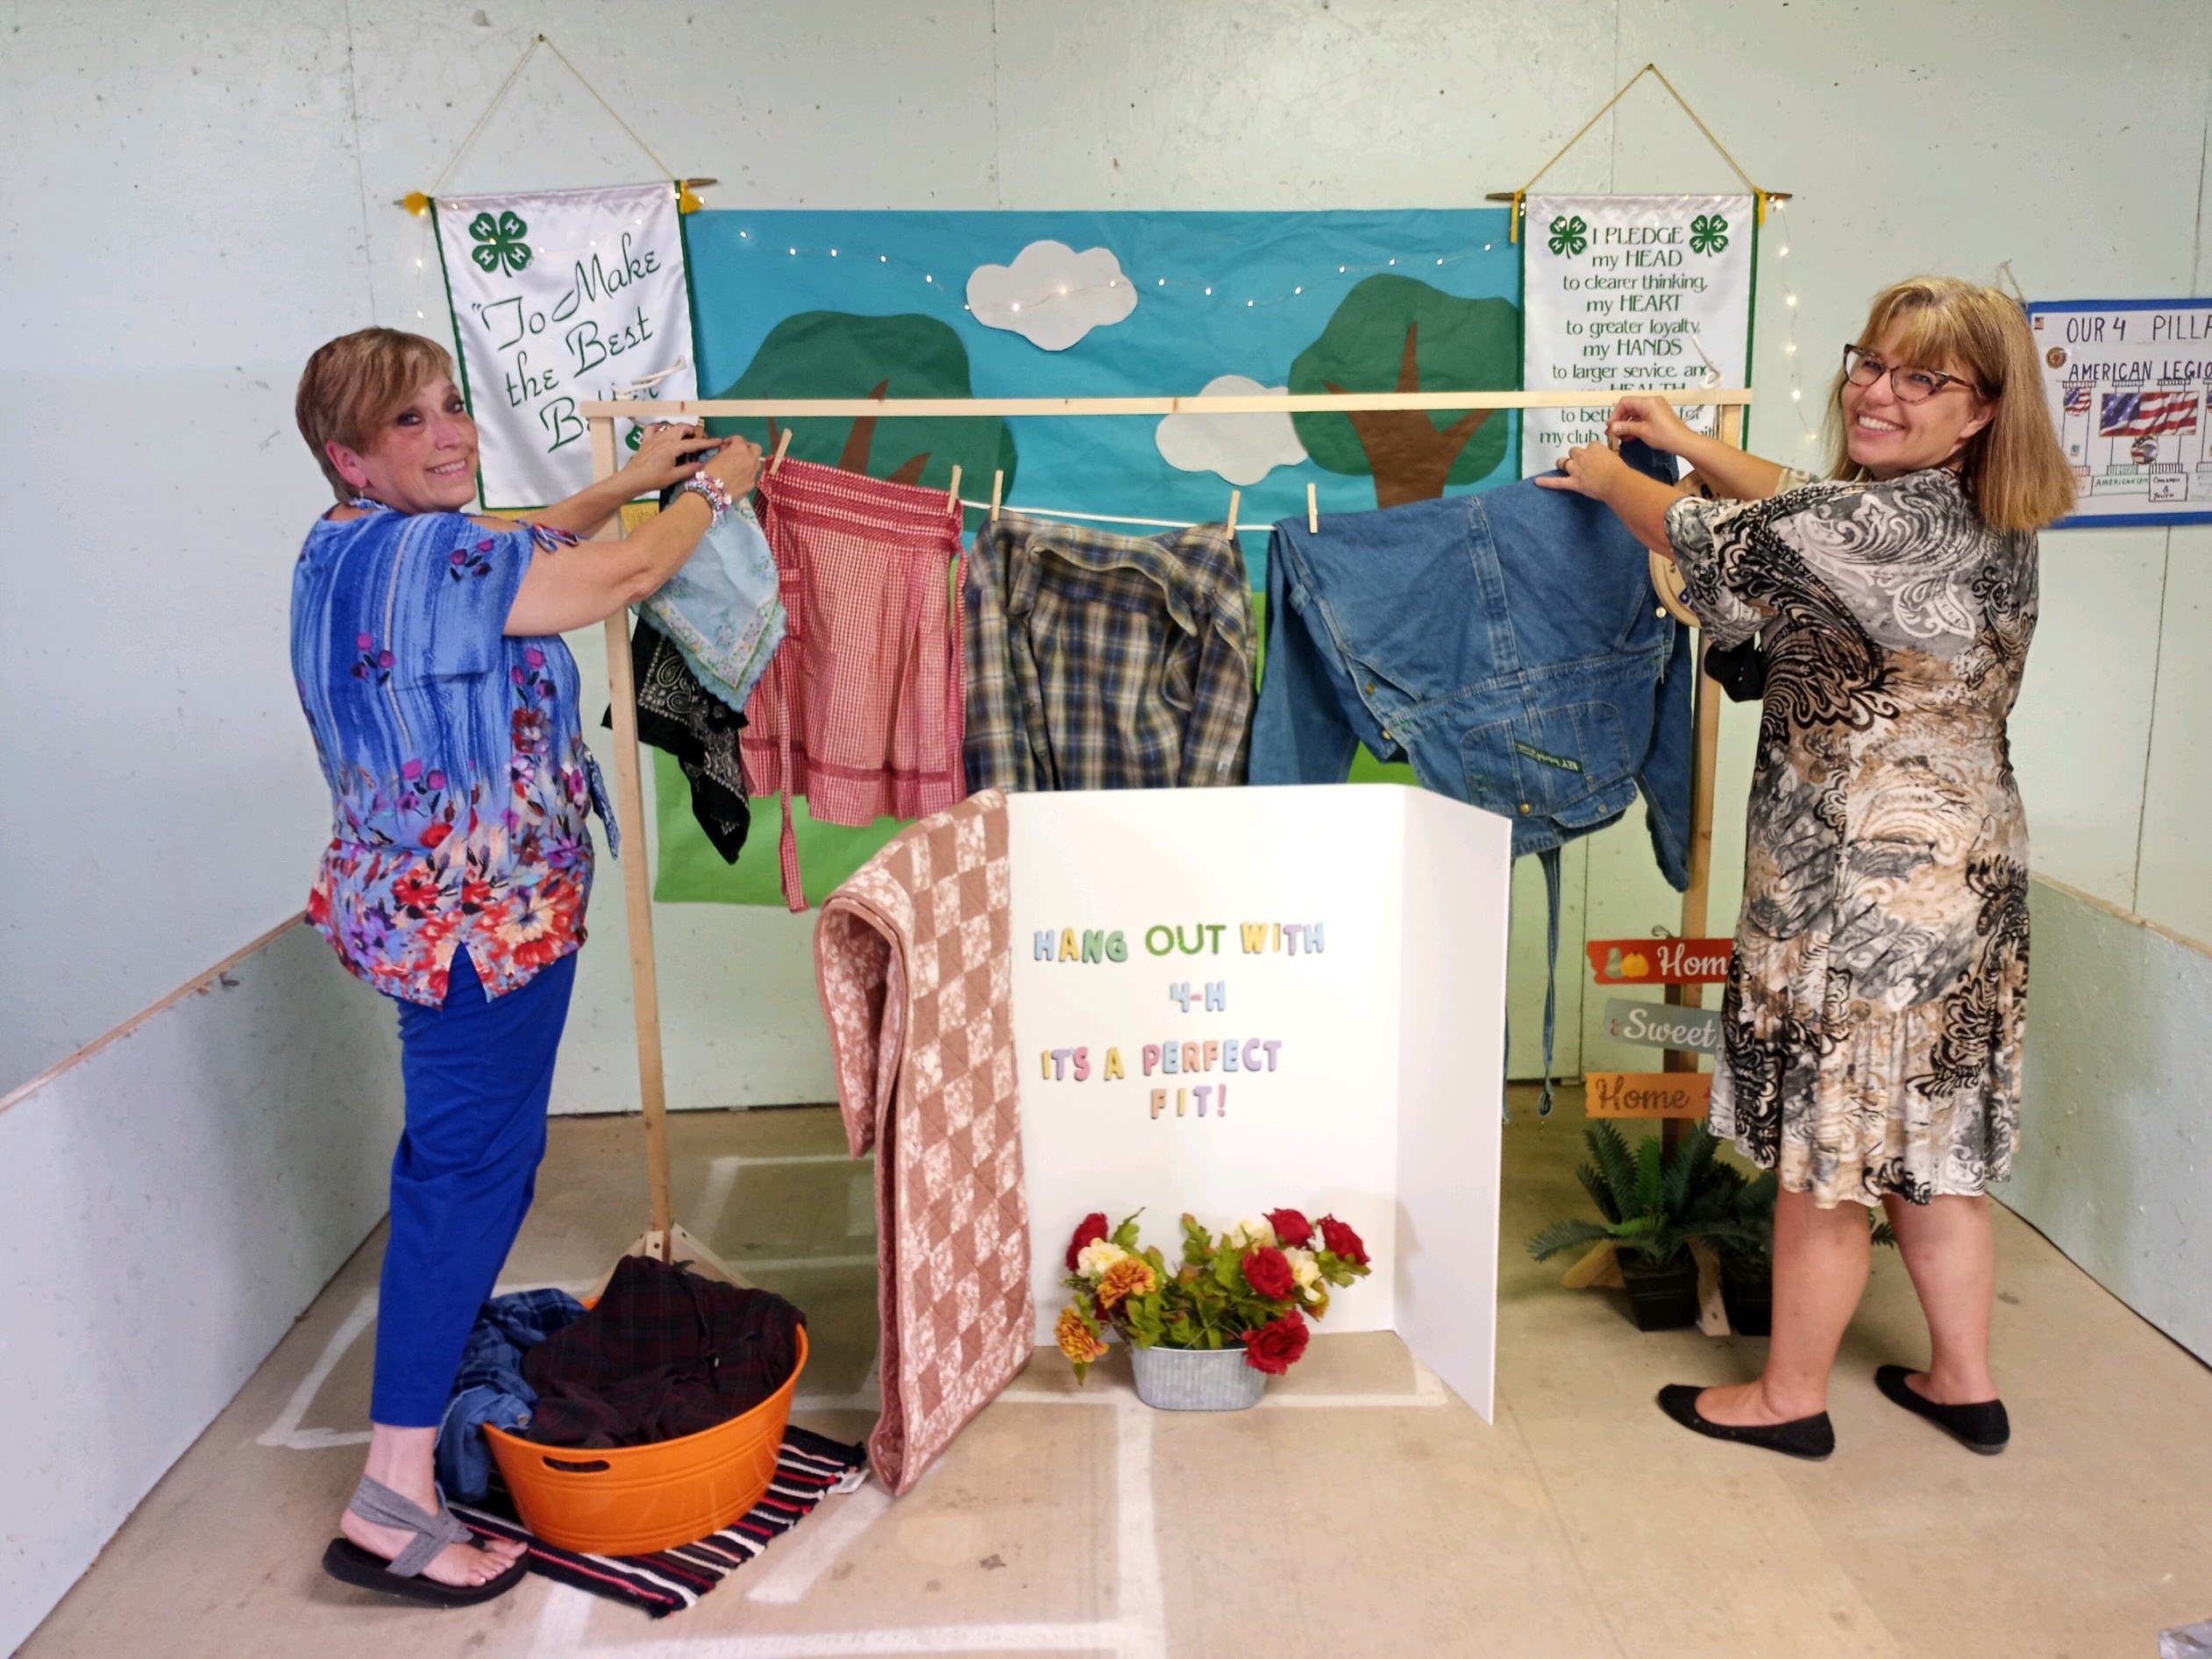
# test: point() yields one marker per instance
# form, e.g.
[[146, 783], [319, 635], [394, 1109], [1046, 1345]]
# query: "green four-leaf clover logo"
[[1708, 233], [1569, 236], [500, 243]]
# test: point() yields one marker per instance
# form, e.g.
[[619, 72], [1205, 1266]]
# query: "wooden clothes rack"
[[664, 1238]]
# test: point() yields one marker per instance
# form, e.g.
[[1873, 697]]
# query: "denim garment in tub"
[[720, 609], [1506, 644], [490, 1387]]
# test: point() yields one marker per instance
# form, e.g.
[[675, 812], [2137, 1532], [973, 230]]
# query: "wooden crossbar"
[[1240, 403]]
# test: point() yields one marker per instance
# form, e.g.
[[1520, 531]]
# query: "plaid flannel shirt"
[[1106, 662]]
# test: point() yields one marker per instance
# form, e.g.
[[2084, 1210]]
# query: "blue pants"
[[478, 1073]]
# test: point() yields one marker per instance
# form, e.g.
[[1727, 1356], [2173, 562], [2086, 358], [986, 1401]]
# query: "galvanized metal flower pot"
[[1196, 1379]]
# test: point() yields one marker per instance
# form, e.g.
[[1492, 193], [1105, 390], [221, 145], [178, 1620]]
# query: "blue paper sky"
[[745, 281]]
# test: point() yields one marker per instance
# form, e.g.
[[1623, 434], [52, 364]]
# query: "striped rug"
[[808, 1467]]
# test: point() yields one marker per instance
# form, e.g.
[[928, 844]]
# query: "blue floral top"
[[459, 783]]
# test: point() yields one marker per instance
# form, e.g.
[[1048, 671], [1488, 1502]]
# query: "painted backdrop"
[[902, 305]]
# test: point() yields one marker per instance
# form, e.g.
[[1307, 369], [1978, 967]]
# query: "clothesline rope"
[[1190, 404], [1093, 518]]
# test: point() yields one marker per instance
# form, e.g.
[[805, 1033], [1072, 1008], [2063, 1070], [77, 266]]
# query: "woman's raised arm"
[[574, 587], [1732, 473]]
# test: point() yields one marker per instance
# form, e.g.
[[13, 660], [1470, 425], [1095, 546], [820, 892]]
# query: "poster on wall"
[[1094, 304], [559, 296], [1631, 293], [2126, 380]]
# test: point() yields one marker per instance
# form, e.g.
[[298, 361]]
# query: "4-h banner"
[[1629, 293], [560, 296]]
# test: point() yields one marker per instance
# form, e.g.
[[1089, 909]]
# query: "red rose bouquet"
[[1254, 1286]]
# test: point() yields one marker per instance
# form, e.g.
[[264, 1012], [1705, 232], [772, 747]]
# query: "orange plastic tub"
[[632, 1500]]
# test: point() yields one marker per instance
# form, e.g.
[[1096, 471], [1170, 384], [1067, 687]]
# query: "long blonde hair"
[[2014, 471]]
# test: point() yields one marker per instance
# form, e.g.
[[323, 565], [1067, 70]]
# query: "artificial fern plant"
[[1653, 1206]]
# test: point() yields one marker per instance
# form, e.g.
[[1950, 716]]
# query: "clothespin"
[[998, 483], [1313, 509], [1235, 496], [952, 496], [783, 443]]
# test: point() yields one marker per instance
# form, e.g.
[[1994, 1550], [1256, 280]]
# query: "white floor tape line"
[[286, 1431], [867, 1397], [561, 1621], [813, 1549], [1093, 1637], [722, 1181], [1139, 1632], [799, 1263], [1140, 1591]]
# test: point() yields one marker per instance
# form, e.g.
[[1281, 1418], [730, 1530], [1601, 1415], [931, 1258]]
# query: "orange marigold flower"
[[1131, 1276], [1076, 1337]]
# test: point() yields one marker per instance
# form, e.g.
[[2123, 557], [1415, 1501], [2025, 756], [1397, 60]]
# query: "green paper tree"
[[843, 354], [1392, 333]]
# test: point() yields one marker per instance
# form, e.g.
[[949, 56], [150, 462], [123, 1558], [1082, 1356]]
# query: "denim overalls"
[[1507, 644]]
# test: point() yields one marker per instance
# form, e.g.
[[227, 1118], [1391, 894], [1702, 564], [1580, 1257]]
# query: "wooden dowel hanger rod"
[[1508, 195], [1256, 403]]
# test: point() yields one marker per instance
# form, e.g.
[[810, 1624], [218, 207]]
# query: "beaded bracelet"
[[712, 491]]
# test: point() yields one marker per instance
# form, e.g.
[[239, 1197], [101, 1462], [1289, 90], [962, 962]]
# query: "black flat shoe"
[[1981, 1426], [1811, 1438], [348, 1563]]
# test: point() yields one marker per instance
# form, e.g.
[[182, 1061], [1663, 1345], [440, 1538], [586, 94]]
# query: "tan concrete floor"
[[1361, 1510]]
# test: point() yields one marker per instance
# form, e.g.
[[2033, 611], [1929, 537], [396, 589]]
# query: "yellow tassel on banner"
[[1513, 217], [687, 199], [415, 203]]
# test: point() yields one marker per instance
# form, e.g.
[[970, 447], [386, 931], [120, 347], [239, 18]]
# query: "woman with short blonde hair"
[[426, 649], [1871, 1026]]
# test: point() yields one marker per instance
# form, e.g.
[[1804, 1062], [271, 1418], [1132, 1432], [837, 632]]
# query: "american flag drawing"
[[2147, 414], [2077, 397]]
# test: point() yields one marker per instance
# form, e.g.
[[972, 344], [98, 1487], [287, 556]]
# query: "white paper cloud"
[[1242, 448], [1052, 296]]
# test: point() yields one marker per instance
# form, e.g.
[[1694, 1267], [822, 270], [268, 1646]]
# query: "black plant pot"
[[1661, 1298], [1747, 1290]]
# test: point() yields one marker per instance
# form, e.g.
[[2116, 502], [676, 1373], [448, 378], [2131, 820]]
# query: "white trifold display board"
[[1630, 293], [1351, 944], [558, 297]]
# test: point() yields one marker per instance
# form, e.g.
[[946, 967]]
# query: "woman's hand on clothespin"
[[1652, 420], [1588, 469]]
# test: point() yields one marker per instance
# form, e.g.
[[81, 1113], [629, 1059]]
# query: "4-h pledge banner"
[[560, 296], [1631, 293]]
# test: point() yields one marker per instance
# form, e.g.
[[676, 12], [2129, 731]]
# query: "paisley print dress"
[[1871, 1025]]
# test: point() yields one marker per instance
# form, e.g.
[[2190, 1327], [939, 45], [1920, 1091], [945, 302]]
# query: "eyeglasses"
[[1909, 385]]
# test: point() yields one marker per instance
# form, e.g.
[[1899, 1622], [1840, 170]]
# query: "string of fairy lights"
[[1218, 288], [1793, 360], [426, 297]]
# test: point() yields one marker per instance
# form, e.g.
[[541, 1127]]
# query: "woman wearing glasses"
[[1872, 1020]]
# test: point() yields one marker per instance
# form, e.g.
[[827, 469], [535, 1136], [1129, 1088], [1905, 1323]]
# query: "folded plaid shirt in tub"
[[1106, 662], [862, 709]]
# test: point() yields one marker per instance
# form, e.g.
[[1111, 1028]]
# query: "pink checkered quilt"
[[912, 958]]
